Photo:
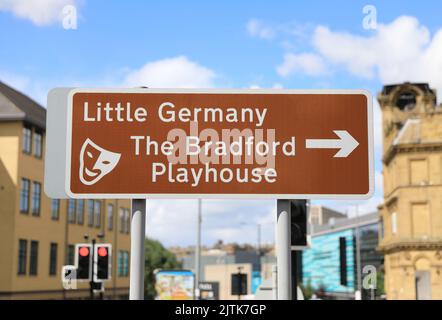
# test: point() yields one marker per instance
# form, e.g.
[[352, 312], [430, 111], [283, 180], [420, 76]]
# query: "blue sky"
[[231, 44]]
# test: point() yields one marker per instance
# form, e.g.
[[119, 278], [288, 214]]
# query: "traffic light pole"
[[137, 237], [294, 256], [283, 249], [91, 283], [240, 288], [299, 208]]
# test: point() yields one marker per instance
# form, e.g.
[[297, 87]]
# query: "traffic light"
[[83, 261], [239, 284], [102, 266], [343, 261], [299, 224]]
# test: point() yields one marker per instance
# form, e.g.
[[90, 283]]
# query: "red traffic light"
[[84, 251], [102, 251]]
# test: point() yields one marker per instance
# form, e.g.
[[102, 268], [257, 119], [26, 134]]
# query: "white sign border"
[[366, 196]]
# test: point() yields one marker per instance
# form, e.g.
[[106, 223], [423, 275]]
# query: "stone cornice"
[[410, 148], [392, 195], [410, 244]]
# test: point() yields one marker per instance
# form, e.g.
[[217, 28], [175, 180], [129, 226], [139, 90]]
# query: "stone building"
[[411, 213]]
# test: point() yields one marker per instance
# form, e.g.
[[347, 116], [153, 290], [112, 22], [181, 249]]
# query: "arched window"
[[406, 100]]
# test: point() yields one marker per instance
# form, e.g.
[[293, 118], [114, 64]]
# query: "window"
[[97, 210], [80, 211], [418, 171], [36, 198], [90, 213], [22, 253], [126, 263], [120, 263], [24, 195], [127, 220], [53, 259], [27, 142], [71, 254], [123, 263], [394, 223], [71, 211], [420, 213], [55, 209], [37, 144], [381, 228], [33, 263], [110, 216], [406, 100], [122, 220]]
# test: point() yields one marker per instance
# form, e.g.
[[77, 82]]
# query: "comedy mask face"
[[95, 162]]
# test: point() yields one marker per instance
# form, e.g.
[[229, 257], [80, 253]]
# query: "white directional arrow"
[[346, 143]]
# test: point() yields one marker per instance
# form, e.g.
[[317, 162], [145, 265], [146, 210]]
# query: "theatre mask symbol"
[[96, 162]]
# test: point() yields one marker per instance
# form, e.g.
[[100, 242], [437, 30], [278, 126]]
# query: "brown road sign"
[[209, 143]]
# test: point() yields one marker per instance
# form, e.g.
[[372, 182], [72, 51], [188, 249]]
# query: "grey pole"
[[198, 250], [358, 255], [137, 237], [283, 249]]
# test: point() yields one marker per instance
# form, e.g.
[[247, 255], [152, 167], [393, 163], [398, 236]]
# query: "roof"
[[15, 105], [346, 223], [409, 133], [387, 89]]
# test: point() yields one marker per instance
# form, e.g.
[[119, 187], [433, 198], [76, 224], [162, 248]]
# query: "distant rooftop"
[[347, 223], [15, 105]]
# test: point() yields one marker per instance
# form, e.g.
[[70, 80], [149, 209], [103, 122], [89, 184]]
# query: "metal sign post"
[[283, 249], [137, 237]]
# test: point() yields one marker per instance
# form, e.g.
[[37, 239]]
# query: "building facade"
[[38, 234], [319, 215], [412, 207], [222, 275]]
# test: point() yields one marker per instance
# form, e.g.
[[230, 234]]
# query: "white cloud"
[[174, 222], [308, 63], [177, 72], [276, 85], [298, 32], [397, 51], [403, 50], [256, 28], [40, 12]]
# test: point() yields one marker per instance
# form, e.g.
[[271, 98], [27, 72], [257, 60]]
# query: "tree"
[[156, 257], [307, 290]]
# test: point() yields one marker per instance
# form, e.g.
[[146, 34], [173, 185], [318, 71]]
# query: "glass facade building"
[[321, 263], [334, 249]]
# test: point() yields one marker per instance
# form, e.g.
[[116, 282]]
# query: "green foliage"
[[156, 257], [307, 290], [380, 282]]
